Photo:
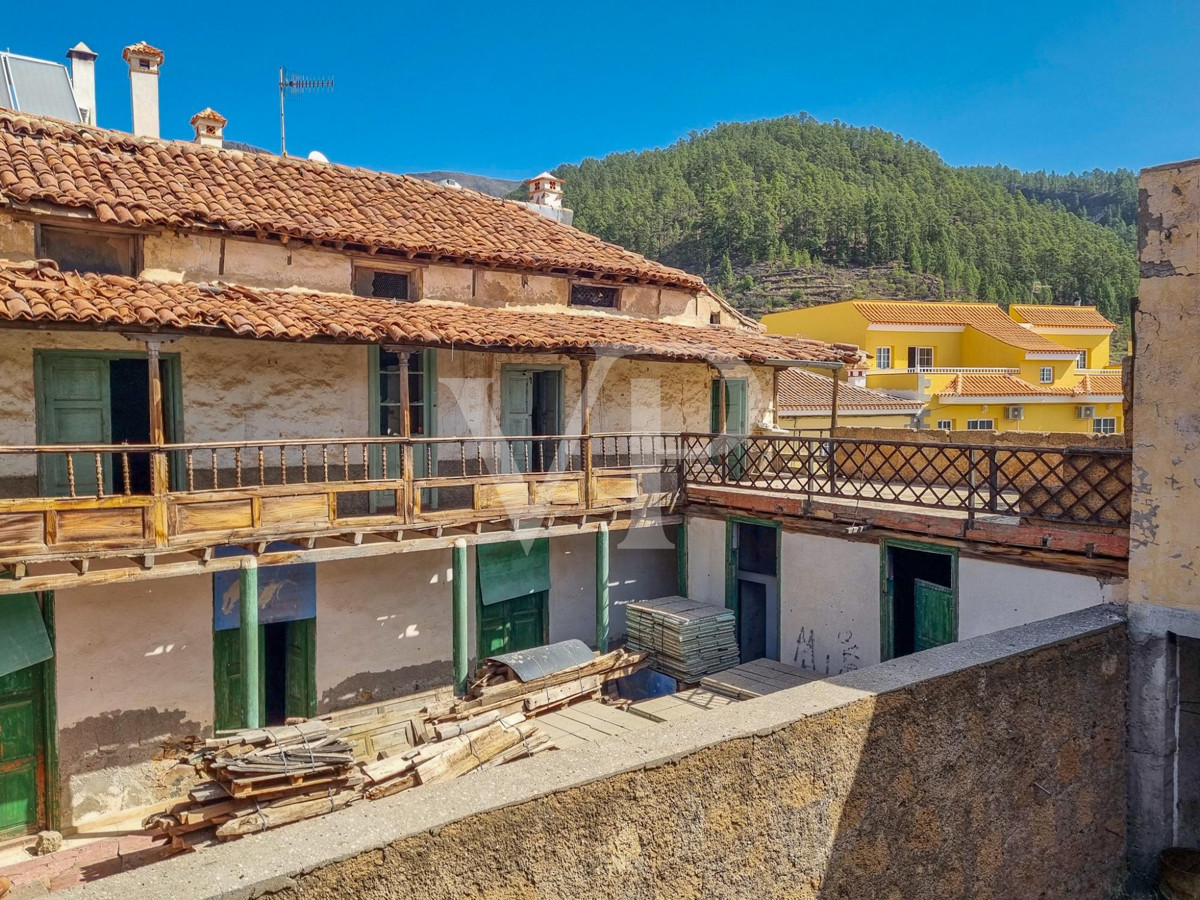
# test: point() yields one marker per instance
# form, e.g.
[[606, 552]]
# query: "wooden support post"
[[775, 398], [248, 636], [459, 616], [722, 402], [159, 478], [602, 572], [833, 407], [585, 448], [406, 450]]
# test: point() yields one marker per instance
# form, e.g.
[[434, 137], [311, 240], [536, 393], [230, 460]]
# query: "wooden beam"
[[459, 615], [81, 565], [833, 408]]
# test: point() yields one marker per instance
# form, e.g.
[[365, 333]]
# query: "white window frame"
[[922, 351], [883, 357], [981, 424], [1099, 428], [945, 425], [1046, 376], [1081, 360]]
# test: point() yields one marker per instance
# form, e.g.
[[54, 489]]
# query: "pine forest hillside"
[[789, 211]]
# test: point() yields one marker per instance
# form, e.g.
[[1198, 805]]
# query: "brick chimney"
[[210, 128], [83, 80], [144, 62]]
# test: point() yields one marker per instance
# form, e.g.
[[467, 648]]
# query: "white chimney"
[[546, 190], [144, 62], [83, 80], [210, 128]]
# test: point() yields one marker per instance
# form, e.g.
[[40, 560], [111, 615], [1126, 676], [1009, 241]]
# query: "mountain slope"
[[794, 192]]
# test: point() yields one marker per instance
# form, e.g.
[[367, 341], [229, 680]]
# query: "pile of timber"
[[491, 726], [261, 778], [688, 640]]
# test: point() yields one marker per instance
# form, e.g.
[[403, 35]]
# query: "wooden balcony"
[[74, 505]]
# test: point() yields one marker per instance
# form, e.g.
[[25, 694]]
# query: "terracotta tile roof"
[[143, 49], [208, 113], [39, 293], [967, 385], [1061, 316], [1102, 381], [985, 317], [134, 181], [805, 391]]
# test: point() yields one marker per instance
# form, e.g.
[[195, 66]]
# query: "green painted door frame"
[[51, 366], [29, 779], [428, 402], [732, 569], [510, 625], [887, 591], [299, 671]]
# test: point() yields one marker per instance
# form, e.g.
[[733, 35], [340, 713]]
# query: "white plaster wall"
[[383, 627], [829, 603], [706, 551], [993, 596]]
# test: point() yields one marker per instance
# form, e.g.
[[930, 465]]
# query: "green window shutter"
[[23, 638], [514, 569], [736, 413], [73, 407], [301, 699], [934, 615]]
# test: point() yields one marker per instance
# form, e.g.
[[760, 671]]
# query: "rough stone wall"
[[986, 770]]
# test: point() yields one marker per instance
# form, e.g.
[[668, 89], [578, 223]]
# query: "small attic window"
[[714, 318], [594, 295], [84, 250], [386, 283], [143, 63]]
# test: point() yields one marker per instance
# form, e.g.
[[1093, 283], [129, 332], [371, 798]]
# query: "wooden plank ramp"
[[591, 720], [757, 678], [687, 703]]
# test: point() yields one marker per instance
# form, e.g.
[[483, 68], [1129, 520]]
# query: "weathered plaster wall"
[[985, 770], [1164, 542], [829, 603], [134, 669], [383, 628], [191, 257], [994, 596], [830, 594]]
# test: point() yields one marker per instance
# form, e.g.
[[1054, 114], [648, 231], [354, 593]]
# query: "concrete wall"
[[829, 617], [989, 769]]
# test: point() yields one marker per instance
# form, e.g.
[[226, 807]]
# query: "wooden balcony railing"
[[1079, 485], [61, 501]]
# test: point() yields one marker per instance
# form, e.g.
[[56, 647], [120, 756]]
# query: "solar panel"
[[38, 86]]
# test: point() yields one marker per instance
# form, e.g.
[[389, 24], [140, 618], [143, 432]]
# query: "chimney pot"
[[144, 62], [546, 190], [210, 128], [83, 80]]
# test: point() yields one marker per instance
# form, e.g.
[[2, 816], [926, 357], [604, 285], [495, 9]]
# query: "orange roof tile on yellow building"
[[984, 317], [1061, 316]]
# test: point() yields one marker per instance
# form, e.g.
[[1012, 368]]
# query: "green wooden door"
[[74, 406], [934, 615], [516, 417], [511, 625], [227, 678], [301, 674], [23, 721], [736, 422]]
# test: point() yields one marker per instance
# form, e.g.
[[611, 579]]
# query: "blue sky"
[[510, 89]]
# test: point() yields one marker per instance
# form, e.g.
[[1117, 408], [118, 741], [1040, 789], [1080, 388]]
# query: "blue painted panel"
[[285, 593]]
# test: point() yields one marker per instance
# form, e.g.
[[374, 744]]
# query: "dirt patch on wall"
[[1000, 780], [370, 686]]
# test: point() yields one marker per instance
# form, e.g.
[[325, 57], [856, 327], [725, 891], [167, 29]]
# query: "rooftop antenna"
[[295, 84]]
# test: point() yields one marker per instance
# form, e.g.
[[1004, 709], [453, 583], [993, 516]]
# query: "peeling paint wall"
[[1165, 543], [134, 667]]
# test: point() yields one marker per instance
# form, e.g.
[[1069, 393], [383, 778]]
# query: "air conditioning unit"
[[1014, 413], [1085, 412]]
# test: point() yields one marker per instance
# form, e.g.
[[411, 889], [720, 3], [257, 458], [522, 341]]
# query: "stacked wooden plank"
[[758, 678], [262, 778], [689, 640]]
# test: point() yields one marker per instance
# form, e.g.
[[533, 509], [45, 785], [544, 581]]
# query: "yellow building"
[[973, 366], [805, 404]]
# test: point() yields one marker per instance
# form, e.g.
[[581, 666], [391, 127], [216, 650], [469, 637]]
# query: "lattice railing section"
[[1078, 485]]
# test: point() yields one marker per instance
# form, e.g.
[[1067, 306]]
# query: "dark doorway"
[[531, 407], [275, 659], [754, 588], [920, 593], [129, 395]]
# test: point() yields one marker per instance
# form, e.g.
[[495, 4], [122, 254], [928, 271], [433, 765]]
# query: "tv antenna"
[[295, 84]]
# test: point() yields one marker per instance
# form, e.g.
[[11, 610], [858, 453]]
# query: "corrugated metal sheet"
[[538, 662], [38, 86]]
